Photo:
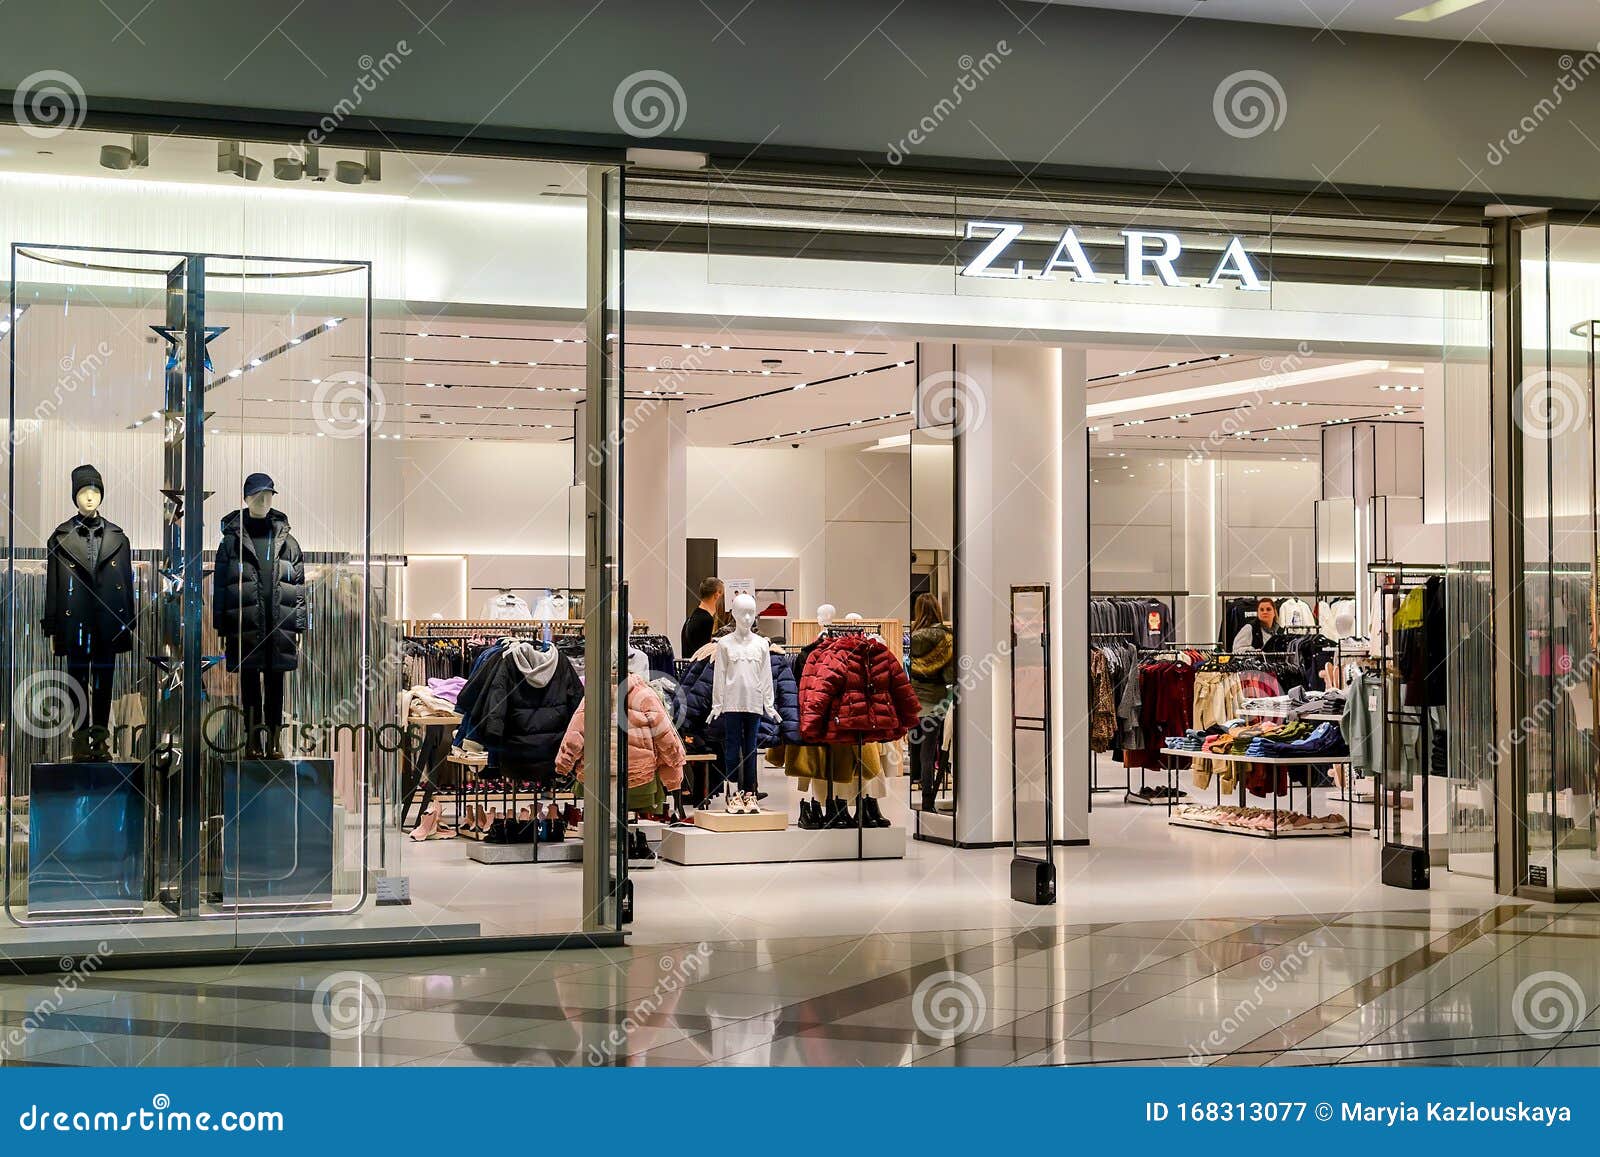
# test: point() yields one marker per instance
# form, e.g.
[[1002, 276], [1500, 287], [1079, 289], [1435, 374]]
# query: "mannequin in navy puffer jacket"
[[692, 704]]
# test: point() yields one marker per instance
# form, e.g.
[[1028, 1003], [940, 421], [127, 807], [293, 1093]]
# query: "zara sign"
[[1145, 252]]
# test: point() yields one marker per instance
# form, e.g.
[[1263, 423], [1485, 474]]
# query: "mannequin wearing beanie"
[[258, 606], [89, 607]]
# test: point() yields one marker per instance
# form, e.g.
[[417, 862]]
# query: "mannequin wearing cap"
[[89, 607], [741, 693], [258, 606]]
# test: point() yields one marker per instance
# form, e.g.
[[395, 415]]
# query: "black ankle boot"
[[874, 817], [810, 815], [838, 815]]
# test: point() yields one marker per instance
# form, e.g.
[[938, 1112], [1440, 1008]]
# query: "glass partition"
[[1560, 302]]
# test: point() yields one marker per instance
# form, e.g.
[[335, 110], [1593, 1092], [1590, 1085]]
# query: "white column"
[[1023, 519], [655, 499]]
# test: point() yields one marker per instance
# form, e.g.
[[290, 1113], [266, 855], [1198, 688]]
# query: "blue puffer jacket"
[[692, 704]]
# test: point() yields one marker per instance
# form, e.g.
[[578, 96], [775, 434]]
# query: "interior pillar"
[[1021, 519], [655, 502]]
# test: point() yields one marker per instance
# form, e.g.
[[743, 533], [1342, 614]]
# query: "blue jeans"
[[739, 748]]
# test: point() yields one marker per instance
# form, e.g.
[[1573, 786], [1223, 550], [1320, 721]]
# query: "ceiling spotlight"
[[368, 169], [122, 157], [231, 159]]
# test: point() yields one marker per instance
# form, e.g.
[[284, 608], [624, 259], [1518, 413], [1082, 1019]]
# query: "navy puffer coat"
[[692, 704]]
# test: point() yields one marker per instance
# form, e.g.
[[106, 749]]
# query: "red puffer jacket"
[[855, 691]]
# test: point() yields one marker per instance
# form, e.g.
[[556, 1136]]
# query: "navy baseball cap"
[[256, 483]]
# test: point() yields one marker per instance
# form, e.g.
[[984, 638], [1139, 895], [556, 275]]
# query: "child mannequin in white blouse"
[[742, 692]]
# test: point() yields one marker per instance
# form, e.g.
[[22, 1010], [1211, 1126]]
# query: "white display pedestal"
[[698, 845]]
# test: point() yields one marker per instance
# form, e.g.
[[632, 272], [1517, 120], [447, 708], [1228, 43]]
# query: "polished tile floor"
[[1482, 984]]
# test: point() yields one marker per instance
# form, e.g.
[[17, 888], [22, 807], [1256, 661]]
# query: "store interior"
[[776, 438]]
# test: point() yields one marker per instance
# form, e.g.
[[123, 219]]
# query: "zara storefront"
[[337, 473]]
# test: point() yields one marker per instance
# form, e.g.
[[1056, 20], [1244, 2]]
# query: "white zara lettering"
[[1138, 255], [982, 265], [1145, 252]]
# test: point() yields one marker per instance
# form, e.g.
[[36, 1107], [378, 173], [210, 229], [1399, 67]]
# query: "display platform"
[[277, 833], [86, 839], [715, 821], [566, 852], [692, 846]]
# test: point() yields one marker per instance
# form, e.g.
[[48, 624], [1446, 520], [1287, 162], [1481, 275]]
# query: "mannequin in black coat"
[[258, 606], [89, 604]]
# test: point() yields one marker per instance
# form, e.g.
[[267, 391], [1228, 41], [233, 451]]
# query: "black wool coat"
[[88, 610], [258, 606]]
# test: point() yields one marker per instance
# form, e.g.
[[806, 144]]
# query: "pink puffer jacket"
[[653, 744]]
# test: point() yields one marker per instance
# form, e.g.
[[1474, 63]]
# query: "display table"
[[697, 845]]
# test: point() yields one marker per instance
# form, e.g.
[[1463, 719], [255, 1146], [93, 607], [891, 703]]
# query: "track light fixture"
[[231, 159], [368, 169], [293, 168], [122, 157]]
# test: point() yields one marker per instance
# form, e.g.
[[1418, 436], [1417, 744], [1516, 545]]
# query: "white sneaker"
[[752, 805], [734, 804]]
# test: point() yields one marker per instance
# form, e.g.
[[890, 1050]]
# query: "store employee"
[[1260, 633], [697, 628]]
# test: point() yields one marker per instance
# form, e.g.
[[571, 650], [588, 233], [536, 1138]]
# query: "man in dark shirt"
[[698, 626]]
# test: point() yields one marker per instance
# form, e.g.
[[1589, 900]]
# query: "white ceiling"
[[1540, 23], [1252, 411]]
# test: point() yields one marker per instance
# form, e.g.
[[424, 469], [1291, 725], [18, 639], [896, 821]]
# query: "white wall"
[[1164, 523], [829, 523]]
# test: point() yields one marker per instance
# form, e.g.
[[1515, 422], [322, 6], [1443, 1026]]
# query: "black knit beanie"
[[87, 476]]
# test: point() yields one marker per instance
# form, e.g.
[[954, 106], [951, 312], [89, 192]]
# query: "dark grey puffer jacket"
[[258, 606]]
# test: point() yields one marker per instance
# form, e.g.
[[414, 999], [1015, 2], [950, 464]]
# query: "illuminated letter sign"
[[1146, 252]]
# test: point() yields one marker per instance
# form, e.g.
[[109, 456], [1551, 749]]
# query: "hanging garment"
[[1102, 703], [550, 606], [855, 691], [506, 605], [1295, 612], [518, 702], [654, 749]]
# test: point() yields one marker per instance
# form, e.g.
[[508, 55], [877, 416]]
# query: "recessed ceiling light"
[[1438, 10]]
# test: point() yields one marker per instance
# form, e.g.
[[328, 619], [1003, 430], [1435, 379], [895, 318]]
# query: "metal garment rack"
[[1400, 579]]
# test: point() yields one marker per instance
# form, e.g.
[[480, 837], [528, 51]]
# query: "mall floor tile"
[[1506, 984]]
